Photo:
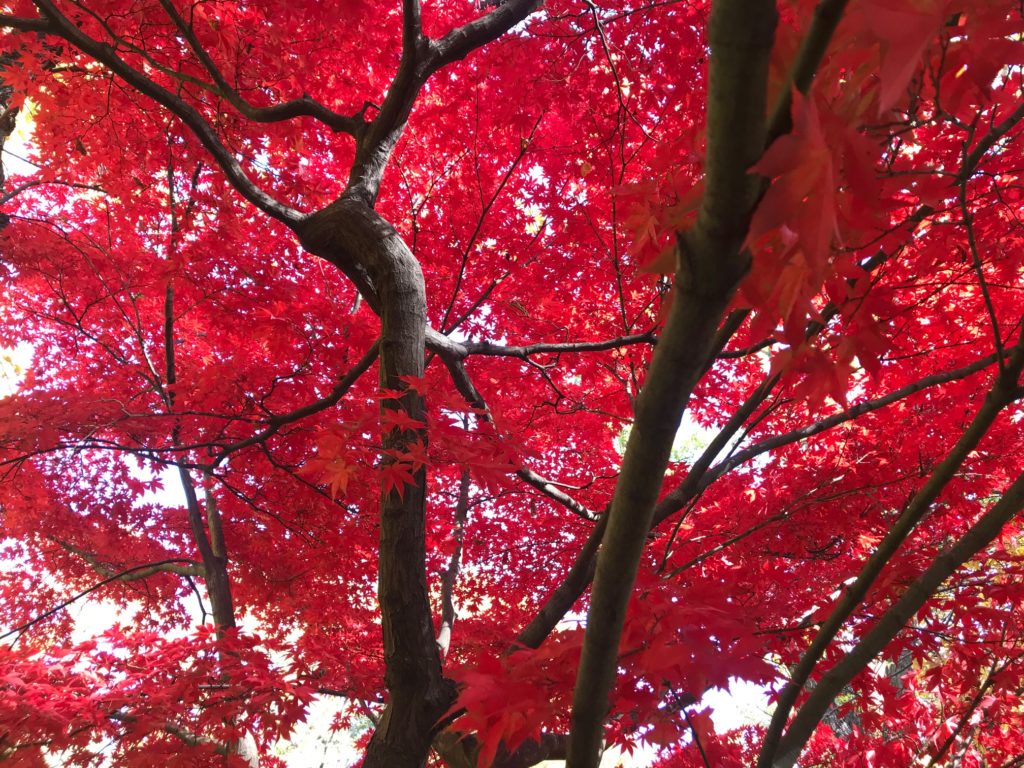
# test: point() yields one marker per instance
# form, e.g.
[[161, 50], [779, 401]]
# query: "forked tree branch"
[[421, 57], [698, 480], [684, 493]]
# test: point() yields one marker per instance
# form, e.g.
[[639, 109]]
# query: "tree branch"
[[462, 41], [275, 423], [1002, 393], [524, 352], [192, 569], [826, 18], [25, 24], [684, 493], [303, 107], [566, 593], [464, 384], [711, 264], [979, 536], [119, 576], [697, 481], [988, 141], [421, 57], [8, 196], [965, 716], [451, 573], [56, 23]]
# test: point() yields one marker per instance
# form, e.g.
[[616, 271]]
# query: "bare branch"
[[524, 352]]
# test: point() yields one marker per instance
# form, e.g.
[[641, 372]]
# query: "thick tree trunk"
[[351, 235]]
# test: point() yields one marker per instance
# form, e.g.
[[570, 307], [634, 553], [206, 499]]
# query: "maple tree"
[[408, 301]]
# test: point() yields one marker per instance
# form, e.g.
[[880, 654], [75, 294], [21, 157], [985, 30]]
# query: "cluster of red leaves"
[[532, 183], [146, 694]]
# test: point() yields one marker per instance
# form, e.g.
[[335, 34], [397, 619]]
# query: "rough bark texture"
[[351, 235]]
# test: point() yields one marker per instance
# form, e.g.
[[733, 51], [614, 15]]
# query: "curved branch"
[[8, 196], [192, 569], [119, 576], [462, 41], [58, 24], [303, 107]]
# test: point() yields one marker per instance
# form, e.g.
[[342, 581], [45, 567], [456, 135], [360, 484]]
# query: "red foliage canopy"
[[367, 328]]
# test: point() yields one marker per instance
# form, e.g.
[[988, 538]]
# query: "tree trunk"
[[351, 235]]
